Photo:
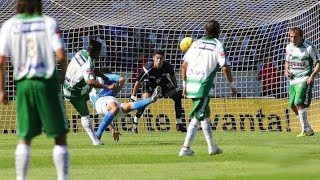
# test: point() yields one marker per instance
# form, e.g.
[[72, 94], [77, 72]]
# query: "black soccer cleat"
[[181, 128]]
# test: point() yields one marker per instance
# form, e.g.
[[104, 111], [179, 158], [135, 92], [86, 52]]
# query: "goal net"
[[252, 31]]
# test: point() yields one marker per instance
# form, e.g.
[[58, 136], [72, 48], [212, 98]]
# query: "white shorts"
[[101, 106]]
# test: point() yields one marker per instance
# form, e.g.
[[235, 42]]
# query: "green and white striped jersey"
[[30, 41], [80, 69], [301, 60], [203, 58]]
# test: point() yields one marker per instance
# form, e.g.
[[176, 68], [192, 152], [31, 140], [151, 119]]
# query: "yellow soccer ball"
[[185, 44]]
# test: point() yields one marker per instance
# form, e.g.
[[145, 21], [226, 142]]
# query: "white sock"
[[206, 129], [303, 120], [191, 132], [135, 120], [61, 161], [178, 120], [86, 124], [301, 124], [22, 155]]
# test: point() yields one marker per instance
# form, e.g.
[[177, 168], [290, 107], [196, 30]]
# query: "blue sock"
[[106, 121], [141, 104]]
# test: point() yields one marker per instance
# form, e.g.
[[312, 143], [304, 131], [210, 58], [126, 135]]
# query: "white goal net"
[[130, 30]]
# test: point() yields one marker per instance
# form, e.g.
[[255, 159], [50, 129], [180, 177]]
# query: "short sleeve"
[[287, 54], [144, 72], [314, 53], [189, 52], [88, 71], [4, 40], [56, 35], [222, 57]]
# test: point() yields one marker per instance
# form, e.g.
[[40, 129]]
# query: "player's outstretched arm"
[[96, 84], [100, 74], [135, 89]]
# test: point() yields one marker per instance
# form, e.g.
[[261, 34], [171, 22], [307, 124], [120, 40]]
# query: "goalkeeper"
[[105, 103], [158, 73]]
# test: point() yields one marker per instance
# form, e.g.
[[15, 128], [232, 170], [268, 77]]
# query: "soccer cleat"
[[302, 134], [134, 129], [310, 132], [217, 151], [187, 152], [156, 94], [98, 142], [306, 133], [179, 127]]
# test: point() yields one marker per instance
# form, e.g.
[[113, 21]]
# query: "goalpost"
[[130, 30]]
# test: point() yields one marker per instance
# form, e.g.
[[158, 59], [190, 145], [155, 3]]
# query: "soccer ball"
[[185, 44]]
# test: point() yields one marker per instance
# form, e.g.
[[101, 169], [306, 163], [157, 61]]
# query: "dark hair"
[[212, 29], [160, 52], [297, 30], [29, 7], [94, 46]]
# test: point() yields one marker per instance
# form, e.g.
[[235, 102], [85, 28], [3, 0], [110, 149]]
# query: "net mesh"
[[252, 31]]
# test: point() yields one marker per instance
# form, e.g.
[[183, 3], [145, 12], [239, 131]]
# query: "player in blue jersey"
[[109, 107], [118, 82]]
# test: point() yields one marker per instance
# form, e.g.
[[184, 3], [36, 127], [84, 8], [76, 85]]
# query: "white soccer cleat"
[[187, 152], [98, 142], [216, 151], [156, 94]]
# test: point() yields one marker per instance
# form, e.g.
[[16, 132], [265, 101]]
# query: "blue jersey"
[[97, 92]]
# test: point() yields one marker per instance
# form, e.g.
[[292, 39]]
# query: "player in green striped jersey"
[[31, 40], [79, 80], [301, 67], [198, 70]]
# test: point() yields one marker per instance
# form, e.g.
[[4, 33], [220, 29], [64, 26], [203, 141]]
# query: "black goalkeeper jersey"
[[157, 77]]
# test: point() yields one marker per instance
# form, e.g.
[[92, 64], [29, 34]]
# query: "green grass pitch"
[[247, 155]]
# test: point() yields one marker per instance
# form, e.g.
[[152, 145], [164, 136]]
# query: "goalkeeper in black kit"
[[155, 73]]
